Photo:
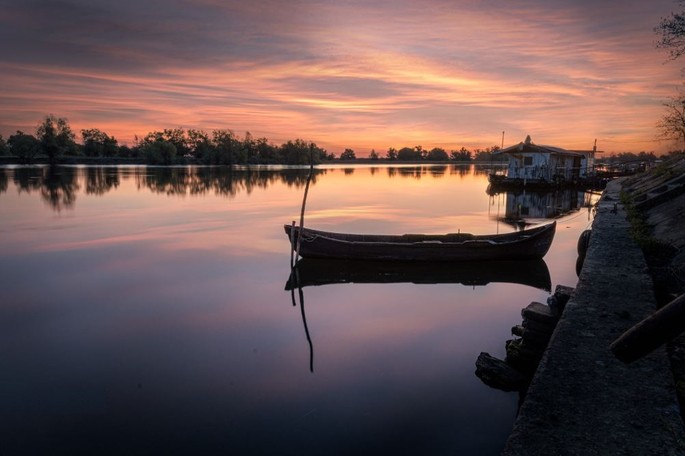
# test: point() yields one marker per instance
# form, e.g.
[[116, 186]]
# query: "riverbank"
[[98, 161], [92, 161], [582, 400]]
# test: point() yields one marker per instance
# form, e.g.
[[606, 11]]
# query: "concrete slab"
[[582, 400]]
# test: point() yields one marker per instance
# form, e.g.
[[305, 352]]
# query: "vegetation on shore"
[[54, 141], [658, 253], [640, 230]]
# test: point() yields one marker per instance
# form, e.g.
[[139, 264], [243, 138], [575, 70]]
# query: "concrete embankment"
[[582, 400]]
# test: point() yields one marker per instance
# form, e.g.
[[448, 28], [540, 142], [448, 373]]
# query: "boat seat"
[[451, 237]]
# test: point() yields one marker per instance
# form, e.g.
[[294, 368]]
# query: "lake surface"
[[144, 311]]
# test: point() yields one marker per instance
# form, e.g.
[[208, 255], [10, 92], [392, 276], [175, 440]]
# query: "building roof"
[[529, 147]]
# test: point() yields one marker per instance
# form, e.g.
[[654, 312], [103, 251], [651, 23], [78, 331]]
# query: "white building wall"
[[538, 167]]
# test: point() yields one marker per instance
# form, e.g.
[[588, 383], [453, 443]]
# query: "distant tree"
[[248, 148], [125, 151], [55, 137], [348, 154], [437, 154], [97, 143], [23, 146], [631, 157], [199, 144], [488, 155], [625, 157], [225, 150], [159, 152], [373, 155], [299, 152], [481, 155], [408, 153], [462, 154], [177, 137], [391, 154], [4, 149], [672, 123], [266, 152], [672, 31], [647, 156]]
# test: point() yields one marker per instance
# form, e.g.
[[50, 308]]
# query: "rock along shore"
[[582, 399]]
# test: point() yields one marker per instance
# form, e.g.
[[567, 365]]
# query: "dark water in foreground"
[[144, 311]]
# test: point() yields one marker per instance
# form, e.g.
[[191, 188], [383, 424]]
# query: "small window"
[[527, 161]]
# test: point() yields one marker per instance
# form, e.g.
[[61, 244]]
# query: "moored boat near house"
[[538, 165]]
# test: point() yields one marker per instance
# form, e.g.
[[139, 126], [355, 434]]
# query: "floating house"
[[532, 164]]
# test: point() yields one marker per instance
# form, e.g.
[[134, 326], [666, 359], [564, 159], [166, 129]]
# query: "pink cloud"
[[349, 74]]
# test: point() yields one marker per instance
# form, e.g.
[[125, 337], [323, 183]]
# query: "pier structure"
[[583, 400]]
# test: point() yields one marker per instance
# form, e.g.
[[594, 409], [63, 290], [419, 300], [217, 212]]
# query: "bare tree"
[[672, 31], [672, 124]]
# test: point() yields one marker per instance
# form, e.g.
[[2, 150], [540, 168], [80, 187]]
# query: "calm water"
[[144, 311]]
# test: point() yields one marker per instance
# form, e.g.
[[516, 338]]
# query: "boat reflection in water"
[[315, 272], [311, 272]]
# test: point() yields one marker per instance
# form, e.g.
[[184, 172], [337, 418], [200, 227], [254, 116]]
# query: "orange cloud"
[[364, 77]]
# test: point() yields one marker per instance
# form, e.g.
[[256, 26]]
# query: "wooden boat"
[[315, 272], [522, 245]]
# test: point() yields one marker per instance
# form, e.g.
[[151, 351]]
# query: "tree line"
[[631, 157], [55, 140]]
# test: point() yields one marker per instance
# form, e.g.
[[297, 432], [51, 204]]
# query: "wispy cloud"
[[345, 73]]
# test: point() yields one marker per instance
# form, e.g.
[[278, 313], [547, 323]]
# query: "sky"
[[344, 74]]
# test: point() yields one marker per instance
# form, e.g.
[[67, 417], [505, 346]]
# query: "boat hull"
[[523, 245]]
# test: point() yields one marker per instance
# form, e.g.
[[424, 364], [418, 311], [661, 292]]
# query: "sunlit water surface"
[[144, 311]]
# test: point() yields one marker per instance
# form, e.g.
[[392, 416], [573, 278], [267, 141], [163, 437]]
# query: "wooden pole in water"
[[292, 245], [304, 200]]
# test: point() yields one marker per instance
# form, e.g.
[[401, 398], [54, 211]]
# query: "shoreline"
[[582, 399]]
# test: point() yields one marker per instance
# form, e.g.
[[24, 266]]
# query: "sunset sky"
[[357, 74]]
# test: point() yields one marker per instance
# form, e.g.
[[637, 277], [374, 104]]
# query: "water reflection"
[[317, 272], [4, 181], [312, 272], [99, 181], [59, 185], [165, 328], [520, 207], [300, 295], [436, 171]]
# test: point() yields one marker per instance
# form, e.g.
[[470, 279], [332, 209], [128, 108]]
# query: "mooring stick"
[[304, 200], [292, 245]]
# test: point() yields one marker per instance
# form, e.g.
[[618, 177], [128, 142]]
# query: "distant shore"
[[11, 160]]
